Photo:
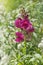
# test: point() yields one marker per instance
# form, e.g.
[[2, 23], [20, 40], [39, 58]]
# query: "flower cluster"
[[20, 37], [26, 27]]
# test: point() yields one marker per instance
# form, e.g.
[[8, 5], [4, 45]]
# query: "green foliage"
[[13, 4], [25, 53]]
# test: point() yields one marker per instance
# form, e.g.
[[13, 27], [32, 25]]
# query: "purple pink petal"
[[20, 37]]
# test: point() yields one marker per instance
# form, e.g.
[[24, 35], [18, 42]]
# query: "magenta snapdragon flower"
[[30, 28], [27, 25], [24, 24], [20, 37], [17, 22]]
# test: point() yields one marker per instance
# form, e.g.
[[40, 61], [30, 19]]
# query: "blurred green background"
[[20, 54], [13, 4]]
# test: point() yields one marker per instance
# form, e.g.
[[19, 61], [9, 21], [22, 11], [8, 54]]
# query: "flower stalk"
[[25, 26]]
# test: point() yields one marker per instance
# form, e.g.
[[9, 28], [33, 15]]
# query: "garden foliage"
[[26, 52]]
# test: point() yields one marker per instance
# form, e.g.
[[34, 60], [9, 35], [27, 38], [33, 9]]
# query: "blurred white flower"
[[37, 55], [40, 45], [9, 16], [4, 60], [19, 46], [32, 59], [15, 63], [3, 57], [1, 53]]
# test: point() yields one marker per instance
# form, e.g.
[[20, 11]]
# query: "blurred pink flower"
[[17, 22], [20, 37], [26, 25], [30, 28]]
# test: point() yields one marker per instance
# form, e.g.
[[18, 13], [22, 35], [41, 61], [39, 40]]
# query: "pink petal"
[[18, 22]]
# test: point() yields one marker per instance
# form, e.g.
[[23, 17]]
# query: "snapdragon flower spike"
[[25, 26], [20, 37]]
